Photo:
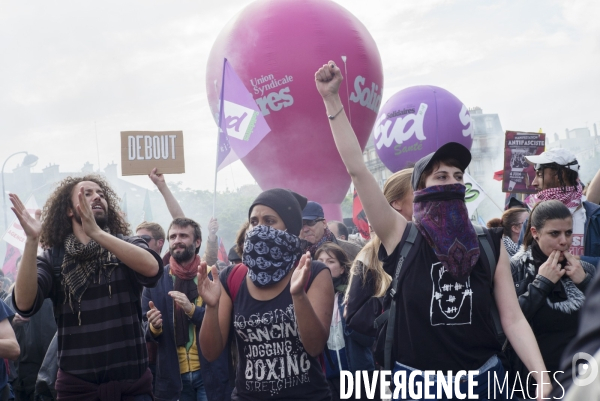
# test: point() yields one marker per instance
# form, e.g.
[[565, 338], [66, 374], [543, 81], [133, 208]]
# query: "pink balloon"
[[418, 120], [275, 47]]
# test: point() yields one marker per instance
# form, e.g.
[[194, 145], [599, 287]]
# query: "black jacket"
[[533, 289]]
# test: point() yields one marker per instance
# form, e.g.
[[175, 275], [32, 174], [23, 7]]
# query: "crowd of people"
[[102, 314]]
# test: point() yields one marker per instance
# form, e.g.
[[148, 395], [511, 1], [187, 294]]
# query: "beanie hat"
[[286, 203]]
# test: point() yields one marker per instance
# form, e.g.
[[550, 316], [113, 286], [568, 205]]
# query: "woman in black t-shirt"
[[443, 318], [278, 303]]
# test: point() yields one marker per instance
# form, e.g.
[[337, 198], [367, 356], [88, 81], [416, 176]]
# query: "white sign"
[[15, 234]]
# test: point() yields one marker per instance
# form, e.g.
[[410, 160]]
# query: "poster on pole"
[[518, 174], [141, 151]]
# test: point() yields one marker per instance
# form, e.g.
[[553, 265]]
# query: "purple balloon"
[[418, 120]]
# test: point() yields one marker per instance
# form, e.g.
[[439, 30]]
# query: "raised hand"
[[213, 226], [182, 300], [154, 316], [328, 79], [551, 269], [573, 268], [31, 225], [300, 275], [157, 179], [88, 221], [210, 291]]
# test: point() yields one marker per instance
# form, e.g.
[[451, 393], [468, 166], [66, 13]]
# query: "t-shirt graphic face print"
[[451, 302]]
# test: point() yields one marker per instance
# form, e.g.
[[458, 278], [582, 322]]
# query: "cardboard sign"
[[141, 151], [518, 173]]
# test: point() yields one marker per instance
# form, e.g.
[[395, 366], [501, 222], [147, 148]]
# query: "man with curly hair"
[[95, 275]]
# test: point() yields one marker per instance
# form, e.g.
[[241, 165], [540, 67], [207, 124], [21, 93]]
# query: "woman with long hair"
[[346, 348], [511, 223], [443, 319], [368, 280], [550, 282], [277, 302]]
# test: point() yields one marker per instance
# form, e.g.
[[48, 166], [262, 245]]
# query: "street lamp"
[[28, 160]]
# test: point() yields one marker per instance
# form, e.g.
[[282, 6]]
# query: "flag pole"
[[218, 135]]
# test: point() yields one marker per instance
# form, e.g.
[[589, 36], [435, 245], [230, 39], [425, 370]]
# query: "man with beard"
[[178, 374], [94, 275], [557, 177]]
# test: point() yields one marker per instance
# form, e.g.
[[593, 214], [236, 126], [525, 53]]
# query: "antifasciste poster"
[[518, 174]]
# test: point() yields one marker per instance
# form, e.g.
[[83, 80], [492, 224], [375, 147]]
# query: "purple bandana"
[[441, 216]]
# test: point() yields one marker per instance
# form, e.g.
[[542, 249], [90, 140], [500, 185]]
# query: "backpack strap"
[[234, 279], [490, 261], [390, 314]]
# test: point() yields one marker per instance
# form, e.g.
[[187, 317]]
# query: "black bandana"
[[270, 254]]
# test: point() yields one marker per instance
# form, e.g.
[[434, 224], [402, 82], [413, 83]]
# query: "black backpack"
[[385, 323]]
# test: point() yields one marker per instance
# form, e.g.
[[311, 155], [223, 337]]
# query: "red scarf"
[[187, 271], [571, 197]]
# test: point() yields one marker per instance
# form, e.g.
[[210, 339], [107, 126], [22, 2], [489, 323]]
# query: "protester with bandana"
[[557, 177], [97, 292], [316, 231], [443, 319], [278, 304], [550, 282], [175, 313]]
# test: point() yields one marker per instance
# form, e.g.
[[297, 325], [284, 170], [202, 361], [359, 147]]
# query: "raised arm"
[[26, 285], [517, 329], [172, 204], [313, 309], [136, 258], [593, 191], [386, 222], [217, 316], [211, 253]]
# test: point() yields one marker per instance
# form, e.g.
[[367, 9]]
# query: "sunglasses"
[[311, 223], [146, 238]]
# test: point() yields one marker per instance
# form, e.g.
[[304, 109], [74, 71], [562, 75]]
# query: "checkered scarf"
[[81, 266], [570, 197]]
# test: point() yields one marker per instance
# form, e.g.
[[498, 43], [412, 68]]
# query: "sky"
[[74, 74]]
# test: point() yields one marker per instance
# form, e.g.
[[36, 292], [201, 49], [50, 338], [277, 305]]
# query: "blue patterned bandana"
[[441, 216], [270, 254]]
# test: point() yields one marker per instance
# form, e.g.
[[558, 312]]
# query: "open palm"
[[31, 225]]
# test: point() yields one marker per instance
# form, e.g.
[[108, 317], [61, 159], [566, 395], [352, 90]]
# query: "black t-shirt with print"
[[272, 362], [441, 324]]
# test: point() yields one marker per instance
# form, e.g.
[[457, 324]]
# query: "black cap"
[[514, 202], [286, 203], [451, 150]]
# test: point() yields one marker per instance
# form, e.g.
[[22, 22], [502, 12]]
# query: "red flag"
[[222, 256], [498, 175], [359, 218], [10, 261]]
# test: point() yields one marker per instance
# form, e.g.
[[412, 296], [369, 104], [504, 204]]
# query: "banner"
[[241, 123], [10, 262], [359, 218], [141, 151], [518, 174], [15, 235], [474, 194], [222, 255]]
